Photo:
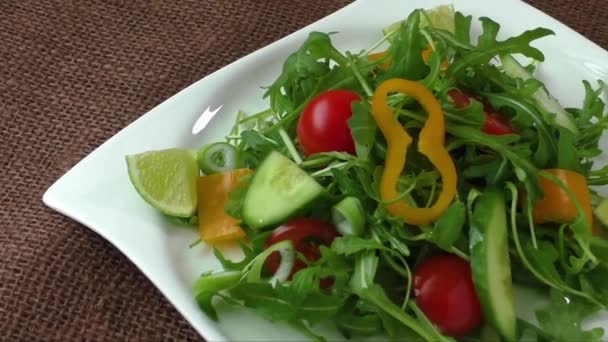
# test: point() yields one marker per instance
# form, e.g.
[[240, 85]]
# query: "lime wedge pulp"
[[166, 179]]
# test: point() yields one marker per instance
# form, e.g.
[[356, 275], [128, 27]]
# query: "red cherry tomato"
[[495, 124], [306, 234], [323, 125], [445, 293]]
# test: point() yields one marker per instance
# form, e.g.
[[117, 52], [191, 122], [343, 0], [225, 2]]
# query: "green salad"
[[403, 190]]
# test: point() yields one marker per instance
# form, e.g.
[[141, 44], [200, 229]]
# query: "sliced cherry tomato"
[[323, 126], [495, 124], [445, 293], [306, 234], [461, 99]]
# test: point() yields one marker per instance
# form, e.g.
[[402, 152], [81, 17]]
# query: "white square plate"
[[107, 203]]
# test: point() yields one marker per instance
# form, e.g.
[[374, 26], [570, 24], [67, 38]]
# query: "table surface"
[[72, 74]]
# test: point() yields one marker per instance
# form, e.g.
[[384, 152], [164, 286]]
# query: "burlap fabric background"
[[72, 73]]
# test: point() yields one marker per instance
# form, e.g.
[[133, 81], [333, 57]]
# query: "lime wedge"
[[441, 17], [166, 179]]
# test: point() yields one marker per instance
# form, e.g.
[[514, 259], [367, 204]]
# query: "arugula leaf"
[[526, 116], [366, 181], [209, 285], [494, 168], [236, 197], [348, 184], [363, 129], [593, 121], [265, 300], [276, 304], [319, 46], [593, 106], [300, 75], [304, 282], [500, 145], [594, 281], [363, 285], [360, 325], [388, 235], [350, 244], [472, 115], [406, 51], [250, 251], [488, 47], [461, 37], [305, 330], [448, 228], [462, 28], [254, 148], [568, 158], [562, 319], [544, 259], [302, 72]]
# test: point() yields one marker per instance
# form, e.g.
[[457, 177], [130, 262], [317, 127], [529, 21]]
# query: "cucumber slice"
[[490, 264], [278, 190], [541, 96]]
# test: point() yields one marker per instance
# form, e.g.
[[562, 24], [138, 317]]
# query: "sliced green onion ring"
[[217, 157], [288, 257], [348, 216], [286, 249]]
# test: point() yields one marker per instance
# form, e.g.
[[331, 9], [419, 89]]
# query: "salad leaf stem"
[[257, 116], [368, 90], [362, 284], [327, 171], [388, 35], [291, 116], [290, 147], [422, 317], [459, 253], [518, 246], [316, 161], [580, 227]]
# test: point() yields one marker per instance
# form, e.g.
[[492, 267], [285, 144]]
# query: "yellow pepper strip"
[[431, 144], [215, 225]]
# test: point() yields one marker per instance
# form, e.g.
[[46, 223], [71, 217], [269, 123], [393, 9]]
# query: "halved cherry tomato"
[[445, 292], [461, 99], [323, 126], [306, 234], [495, 124]]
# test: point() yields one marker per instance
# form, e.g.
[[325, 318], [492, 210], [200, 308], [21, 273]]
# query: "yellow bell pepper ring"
[[430, 144]]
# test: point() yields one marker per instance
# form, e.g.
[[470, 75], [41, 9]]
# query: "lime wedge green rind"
[[166, 179]]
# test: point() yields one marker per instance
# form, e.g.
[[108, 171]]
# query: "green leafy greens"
[[371, 274]]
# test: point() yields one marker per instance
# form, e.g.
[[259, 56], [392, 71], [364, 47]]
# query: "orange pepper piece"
[[430, 144], [379, 55], [556, 206], [215, 225], [426, 54]]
